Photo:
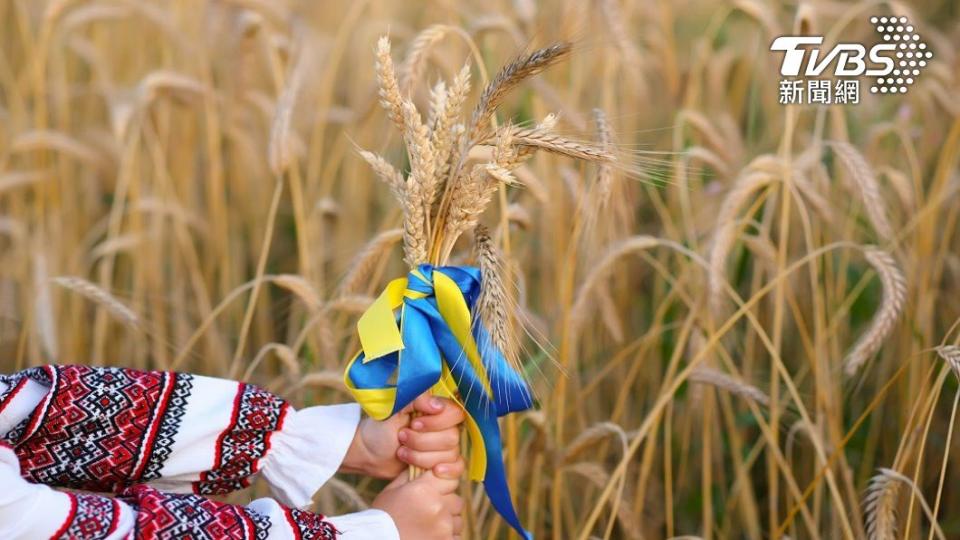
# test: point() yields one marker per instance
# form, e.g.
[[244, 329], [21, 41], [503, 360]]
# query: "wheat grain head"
[[891, 306]]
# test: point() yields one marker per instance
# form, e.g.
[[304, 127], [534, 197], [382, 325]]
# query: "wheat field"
[[745, 326]]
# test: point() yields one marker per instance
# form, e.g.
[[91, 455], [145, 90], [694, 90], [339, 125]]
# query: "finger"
[[429, 404], [423, 403], [439, 485], [457, 526], [430, 440], [453, 503], [451, 470], [426, 460], [451, 415]]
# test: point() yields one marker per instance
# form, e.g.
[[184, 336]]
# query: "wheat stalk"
[[45, 324], [280, 149]]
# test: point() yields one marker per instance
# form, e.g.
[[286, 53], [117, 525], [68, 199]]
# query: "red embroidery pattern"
[[256, 415], [308, 526], [97, 428], [91, 517], [14, 385], [163, 516]]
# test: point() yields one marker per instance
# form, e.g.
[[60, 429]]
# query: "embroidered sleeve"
[[32, 511], [141, 512], [105, 429]]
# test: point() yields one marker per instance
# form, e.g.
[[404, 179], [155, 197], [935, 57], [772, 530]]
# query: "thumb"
[[438, 484], [402, 479], [400, 419]]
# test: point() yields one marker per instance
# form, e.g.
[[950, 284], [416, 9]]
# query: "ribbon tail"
[[377, 327], [484, 429], [495, 481]]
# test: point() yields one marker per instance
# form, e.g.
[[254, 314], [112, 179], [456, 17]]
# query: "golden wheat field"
[[741, 317]]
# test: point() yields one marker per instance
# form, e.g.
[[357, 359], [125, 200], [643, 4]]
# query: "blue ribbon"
[[428, 345]]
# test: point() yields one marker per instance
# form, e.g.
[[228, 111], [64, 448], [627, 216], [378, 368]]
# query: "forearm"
[[104, 429], [30, 511]]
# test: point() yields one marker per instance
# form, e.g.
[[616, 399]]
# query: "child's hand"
[[384, 449], [426, 507]]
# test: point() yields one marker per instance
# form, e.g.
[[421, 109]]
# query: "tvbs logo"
[[891, 65]]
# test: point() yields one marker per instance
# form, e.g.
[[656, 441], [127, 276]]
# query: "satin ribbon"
[[420, 329]]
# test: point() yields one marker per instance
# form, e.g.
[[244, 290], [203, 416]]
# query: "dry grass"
[[194, 167]]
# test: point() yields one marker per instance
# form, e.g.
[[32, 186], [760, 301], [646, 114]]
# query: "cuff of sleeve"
[[308, 450], [365, 525]]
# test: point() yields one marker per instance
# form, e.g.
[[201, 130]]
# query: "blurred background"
[[736, 327]]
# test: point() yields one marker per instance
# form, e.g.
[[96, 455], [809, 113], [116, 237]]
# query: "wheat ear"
[[386, 172], [438, 100], [416, 59], [510, 76], [443, 137], [880, 504], [580, 312], [417, 186], [724, 381], [869, 188], [894, 296], [604, 170], [301, 288], [950, 354], [545, 140], [99, 296], [494, 303], [367, 260], [725, 236], [880, 507], [390, 97]]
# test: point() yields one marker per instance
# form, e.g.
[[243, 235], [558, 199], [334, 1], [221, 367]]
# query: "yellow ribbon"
[[380, 335]]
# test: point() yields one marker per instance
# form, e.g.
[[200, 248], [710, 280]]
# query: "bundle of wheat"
[[465, 311]]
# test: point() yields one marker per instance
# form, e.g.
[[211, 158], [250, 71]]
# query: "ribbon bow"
[[432, 343]]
